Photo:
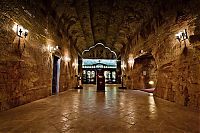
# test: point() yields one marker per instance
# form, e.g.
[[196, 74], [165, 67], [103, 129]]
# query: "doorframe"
[[55, 82]]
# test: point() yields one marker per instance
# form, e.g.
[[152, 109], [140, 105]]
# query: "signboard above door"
[[99, 63]]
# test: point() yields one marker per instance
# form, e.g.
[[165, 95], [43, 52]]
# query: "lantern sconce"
[[182, 36], [123, 65], [67, 59], [52, 49], [141, 51], [131, 61], [20, 31]]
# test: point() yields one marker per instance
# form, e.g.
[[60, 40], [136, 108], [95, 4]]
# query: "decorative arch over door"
[[99, 51]]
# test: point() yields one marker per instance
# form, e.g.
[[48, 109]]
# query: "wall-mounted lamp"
[[131, 61], [20, 30], [52, 49], [123, 65], [141, 51], [182, 36], [144, 73], [67, 59]]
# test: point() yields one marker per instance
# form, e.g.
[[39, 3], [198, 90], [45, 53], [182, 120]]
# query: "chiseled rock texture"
[[178, 66], [143, 71], [26, 66]]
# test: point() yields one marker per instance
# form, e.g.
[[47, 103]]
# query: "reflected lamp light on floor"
[[122, 82], [79, 82]]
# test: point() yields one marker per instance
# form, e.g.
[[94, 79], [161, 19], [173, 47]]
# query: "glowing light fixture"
[[67, 59], [131, 61], [20, 30], [52, 49], [151, 82], [123, 65], [182, 36]]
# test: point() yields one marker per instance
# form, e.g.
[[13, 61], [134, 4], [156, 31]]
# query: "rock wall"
[[178, 63], [26, 63], [143, 71]]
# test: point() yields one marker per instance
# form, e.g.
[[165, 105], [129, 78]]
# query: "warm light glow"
[[179, 34], [25, 32], [151, 82], [123, 65], [152, 106], [131, 61], [52, 49], [182, 35], [17, 28], [67, 59]]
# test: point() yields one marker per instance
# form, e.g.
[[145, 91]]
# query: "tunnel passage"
[[32, 30], [143, 74]]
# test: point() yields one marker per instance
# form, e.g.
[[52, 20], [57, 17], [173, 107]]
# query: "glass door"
[[89, 77], [110, 76]]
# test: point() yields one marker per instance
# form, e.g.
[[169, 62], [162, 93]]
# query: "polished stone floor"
[[88, 111]]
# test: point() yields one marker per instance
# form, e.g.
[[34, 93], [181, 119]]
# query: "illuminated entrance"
[[90, 67], [99, 58]]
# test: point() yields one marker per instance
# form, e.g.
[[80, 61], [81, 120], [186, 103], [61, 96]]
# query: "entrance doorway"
[[56, 75], [90, 68], [89, 76], [110, 76]]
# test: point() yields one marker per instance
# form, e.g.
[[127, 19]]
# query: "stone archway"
[[143, 75]]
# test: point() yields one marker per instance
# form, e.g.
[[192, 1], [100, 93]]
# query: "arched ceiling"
[[111, 22]]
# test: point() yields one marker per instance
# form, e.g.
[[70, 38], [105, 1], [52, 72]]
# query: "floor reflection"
[[89, 111], [152, 106]]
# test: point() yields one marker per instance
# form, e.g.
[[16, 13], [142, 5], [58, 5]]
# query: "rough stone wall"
[[178, 67], [178, 80], [143, 71], [69, 70], [26, 66]]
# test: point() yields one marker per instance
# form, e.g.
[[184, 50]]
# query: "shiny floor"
[[88, 111]]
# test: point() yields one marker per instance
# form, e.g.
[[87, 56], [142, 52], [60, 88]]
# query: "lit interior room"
[[99, 66]]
